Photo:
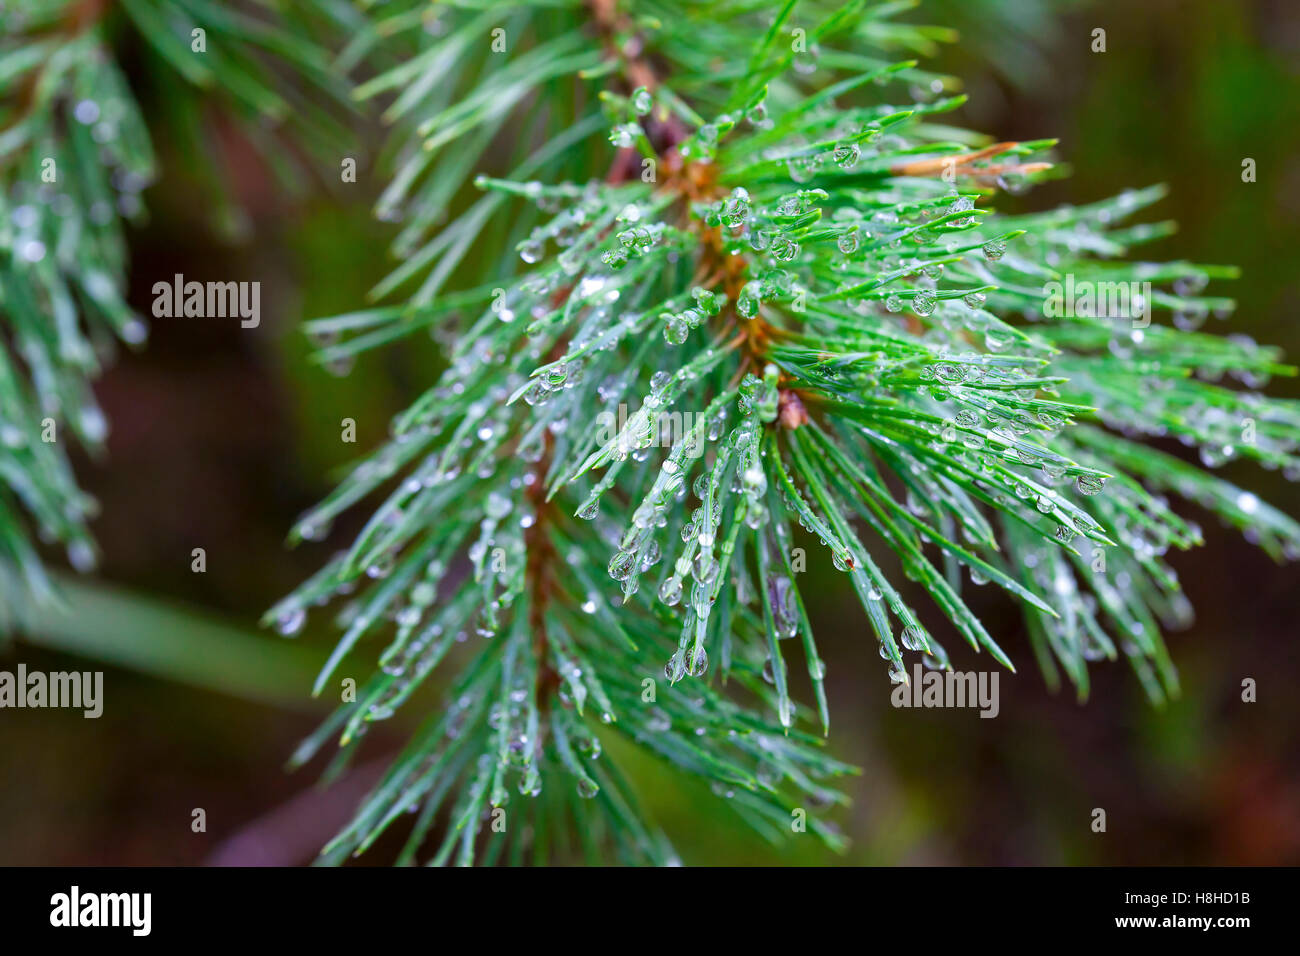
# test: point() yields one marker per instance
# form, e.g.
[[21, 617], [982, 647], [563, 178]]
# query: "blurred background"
[[221, 437]]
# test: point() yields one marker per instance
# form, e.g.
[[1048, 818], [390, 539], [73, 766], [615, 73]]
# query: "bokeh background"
[[221, 436]]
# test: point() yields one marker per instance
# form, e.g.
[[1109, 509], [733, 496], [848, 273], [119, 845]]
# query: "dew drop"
[[1089, 484], [291, 622], [994, 249]]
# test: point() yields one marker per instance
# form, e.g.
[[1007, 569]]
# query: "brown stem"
[[956, 165], [539, 572]]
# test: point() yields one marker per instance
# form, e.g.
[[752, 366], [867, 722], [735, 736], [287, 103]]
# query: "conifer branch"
[[766, 312], [826, 265], [75, 159]]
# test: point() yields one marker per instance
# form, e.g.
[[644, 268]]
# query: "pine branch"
[[75, 159], [813, 277]]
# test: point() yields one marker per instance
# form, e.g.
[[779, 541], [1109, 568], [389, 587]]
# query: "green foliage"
[[810, 274], [764, 304], [75, 157]]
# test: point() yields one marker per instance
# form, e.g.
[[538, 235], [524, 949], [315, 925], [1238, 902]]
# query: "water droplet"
[[81, 555], [704, 568], [497, 506], [381, 568], [624, 134], [290, 622], [670, 592], [913, 638], [997, 340], [706, 300], [675, 669], [93, 424], [784, 248], [676, 330], [86, 112], [1089, 484], [846, 155], [621, 565], [994, 249], [1214, 456], [781, 594], [736, 209]]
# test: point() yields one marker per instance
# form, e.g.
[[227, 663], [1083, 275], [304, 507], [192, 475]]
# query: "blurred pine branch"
[[75, 159], [173, 643]]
